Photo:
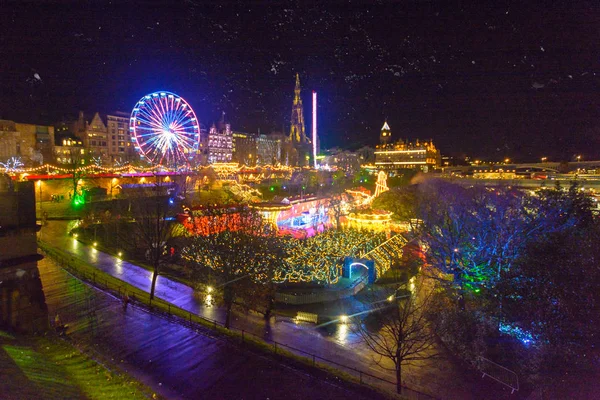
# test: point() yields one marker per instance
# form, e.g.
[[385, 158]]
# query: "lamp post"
[[39, 184], [112, 185]]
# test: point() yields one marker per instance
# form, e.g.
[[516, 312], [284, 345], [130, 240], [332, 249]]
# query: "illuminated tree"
[[238, 253], [77, 160]]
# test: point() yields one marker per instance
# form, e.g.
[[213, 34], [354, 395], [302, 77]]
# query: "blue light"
[[171, 201], [525, 337]]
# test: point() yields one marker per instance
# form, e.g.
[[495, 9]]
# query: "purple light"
[[314, 128]]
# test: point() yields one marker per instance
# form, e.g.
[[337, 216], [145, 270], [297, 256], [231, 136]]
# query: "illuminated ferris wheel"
[[165, 129]]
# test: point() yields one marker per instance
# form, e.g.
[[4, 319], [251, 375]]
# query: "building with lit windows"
[[70, 150], [106, 137], [219, 143], [405, 155], [95, 137], [120, 148], [259, 149], [244, 148], [270, 149]]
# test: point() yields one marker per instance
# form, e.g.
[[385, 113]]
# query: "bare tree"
[[76, 161], [149, 226], [336, 207], [398, 329]]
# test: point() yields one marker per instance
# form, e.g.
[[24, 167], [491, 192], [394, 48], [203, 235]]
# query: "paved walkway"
[[176, 361], [441, 377]]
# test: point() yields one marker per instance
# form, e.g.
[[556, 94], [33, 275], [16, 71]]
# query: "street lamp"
[[544, 159], [39, 184], [579, 158], [112, 185]]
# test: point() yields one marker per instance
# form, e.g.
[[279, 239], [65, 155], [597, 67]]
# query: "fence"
[[323, 296], [499, 373], [137, 296], [307, 317]]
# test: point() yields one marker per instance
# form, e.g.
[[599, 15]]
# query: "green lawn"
[[46, 367]]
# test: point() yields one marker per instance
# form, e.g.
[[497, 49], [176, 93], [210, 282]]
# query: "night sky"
[[495, 81]]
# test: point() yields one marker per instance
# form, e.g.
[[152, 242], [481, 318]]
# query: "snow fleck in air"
[[473, 62], [37, 76], [536, 85], [570, 76], [542, 48]]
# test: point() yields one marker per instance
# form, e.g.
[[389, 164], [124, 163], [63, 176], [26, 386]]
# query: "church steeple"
[[297, 133]]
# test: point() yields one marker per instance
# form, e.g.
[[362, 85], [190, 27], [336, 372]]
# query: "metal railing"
[[140, 297], [498, 373]]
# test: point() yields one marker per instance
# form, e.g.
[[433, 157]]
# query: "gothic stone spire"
[[297, 134]]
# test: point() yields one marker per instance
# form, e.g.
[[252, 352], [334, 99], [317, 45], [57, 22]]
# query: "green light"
[[78, 200], [272, 188]]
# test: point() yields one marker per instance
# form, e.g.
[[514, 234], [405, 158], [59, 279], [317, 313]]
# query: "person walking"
[[125, 301]]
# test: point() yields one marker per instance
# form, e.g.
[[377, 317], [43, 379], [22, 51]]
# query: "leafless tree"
[[398, 329], [76, 161], [148, 226], [336, 207]]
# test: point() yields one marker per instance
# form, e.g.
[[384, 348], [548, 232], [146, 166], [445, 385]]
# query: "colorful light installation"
[[314, 128], [165, 129]]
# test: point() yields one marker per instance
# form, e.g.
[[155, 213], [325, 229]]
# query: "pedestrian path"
[[441, 378], [175, 360]]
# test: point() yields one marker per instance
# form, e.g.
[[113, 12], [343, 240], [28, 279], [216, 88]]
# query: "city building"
[[120, 148], [259, 149], [219, 143], [345, 160], [33, 144], [270, 149], [105, 137], [95, 138], [244, 148], [69, 150], [405, 155]]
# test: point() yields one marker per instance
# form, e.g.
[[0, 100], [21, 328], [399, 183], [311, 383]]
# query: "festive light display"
[[165, 129], [319, 258], [363, 198], [315, 259], [53, 169], [12, 164], [270, 212]]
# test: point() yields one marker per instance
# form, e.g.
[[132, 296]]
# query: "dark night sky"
[[506, 79]]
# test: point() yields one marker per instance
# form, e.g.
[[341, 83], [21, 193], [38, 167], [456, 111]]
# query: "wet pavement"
[[175, 360], [440, 377]]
